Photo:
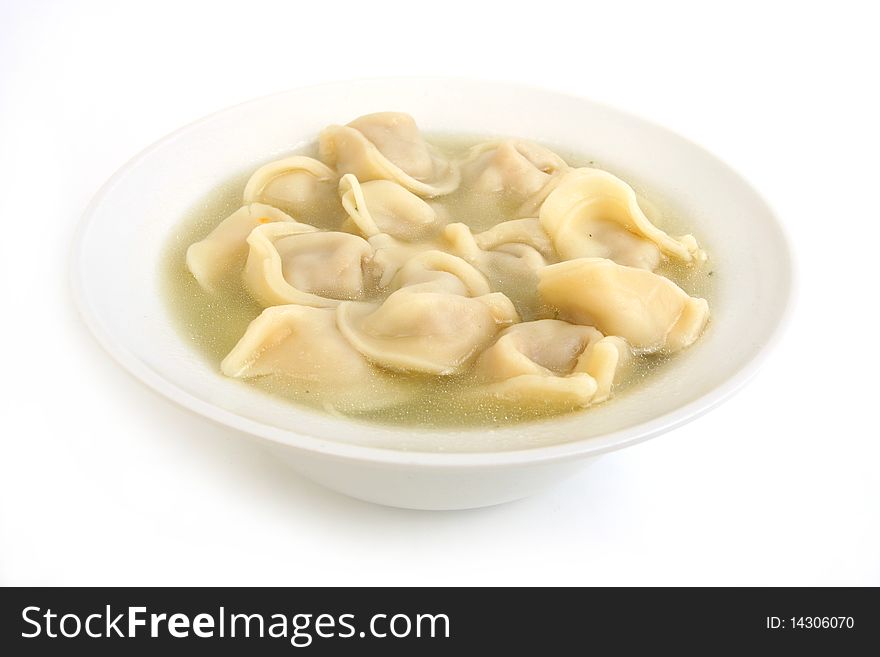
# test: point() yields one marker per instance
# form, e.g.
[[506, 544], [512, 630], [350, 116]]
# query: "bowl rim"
[[579, 448]]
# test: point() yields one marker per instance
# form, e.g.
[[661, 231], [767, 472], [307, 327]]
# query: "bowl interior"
[[126, 229]]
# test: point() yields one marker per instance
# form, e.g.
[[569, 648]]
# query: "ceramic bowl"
[[115, 272]]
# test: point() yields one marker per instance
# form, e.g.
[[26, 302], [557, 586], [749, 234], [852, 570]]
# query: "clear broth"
[[213, 323]]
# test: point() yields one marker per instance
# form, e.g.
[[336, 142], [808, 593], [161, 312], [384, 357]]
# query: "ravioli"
[[391, 275], [389, 146], [297, 263], [648, 310]]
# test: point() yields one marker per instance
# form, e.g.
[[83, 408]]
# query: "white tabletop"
[[104, 482]]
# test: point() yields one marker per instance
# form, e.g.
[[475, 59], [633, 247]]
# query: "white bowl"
[[127, 226]]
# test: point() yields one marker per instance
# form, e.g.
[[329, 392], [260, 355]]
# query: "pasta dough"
[[592, 213], [649, 311], [210, 259], [383, 207], [516, 167], [509, 255], [388, 146], [301, 186], [430, 332], [397, 278], [435, 323], [551, 362], [390, 254], [296, 263], [303, 343], [437, 271]]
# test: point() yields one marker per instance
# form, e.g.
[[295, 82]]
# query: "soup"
[[449, 281]]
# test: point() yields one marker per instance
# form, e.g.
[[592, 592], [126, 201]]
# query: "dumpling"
[[296, 263], [515, 166], [430, 332], [592, 213], [505, 237], [486, 252], [301, 186], [437, 271], [388, 146], [438, 319], [226, 246], [299, 341], [495, 258], [391, 254], [382, 206], [528, 232], [551, 362], [606, 360], [651, 312], [509, 255], [520, 169], [303, 344]]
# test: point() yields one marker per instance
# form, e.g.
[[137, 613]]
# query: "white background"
[[103, 482]]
